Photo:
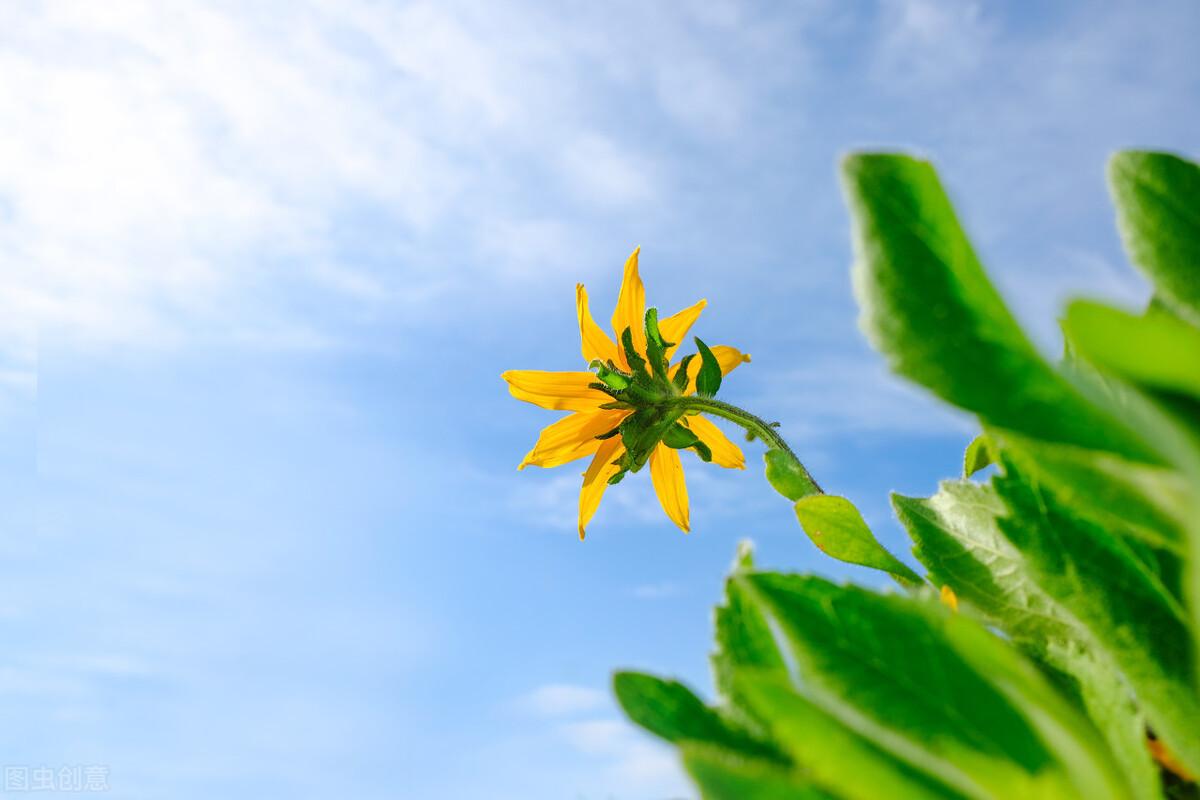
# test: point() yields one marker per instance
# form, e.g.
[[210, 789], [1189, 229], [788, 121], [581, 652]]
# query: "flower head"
[[624, 414]]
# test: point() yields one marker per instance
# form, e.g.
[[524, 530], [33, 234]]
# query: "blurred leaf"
[[722, 775], [958, 539], [977, 456], [934, 689], [744, 639], [1158, 212], [838, 529], [670, 710], [1122, 604], [1143, 501], [928, 306], [831, 754], [1158, 351]]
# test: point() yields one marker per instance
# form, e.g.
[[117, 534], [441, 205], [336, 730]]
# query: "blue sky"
[[263, 535]]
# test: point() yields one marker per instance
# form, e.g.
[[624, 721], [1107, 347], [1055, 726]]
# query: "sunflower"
[[595, 420]]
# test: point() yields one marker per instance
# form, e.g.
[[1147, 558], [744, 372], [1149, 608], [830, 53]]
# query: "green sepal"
[[637, 364], [641, 432], [609, 375], [656, 346], [681, 377], [609, 434], [709, 379], [680, 437]]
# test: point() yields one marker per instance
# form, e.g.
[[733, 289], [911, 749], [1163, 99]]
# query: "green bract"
[[1070, 670], [654, 396]]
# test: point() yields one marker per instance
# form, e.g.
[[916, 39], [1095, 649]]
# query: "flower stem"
[[755, 425]]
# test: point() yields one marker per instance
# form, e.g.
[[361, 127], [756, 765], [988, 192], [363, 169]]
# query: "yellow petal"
[[595, 480], [949, 598], [596, 343], [571, 437], [566, 391], [728, 357], [666, 472], [724, 452], [675, 327], [631, 305]]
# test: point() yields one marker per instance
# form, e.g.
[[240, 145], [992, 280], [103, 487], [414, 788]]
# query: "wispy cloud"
[[616, 752], [831, 396], [196, 166], [630, 758], [560, 699], [928, 43]]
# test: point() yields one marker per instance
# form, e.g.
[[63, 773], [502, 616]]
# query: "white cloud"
[[595, 168], [632, 758], [549, 501], [620, 754], [928, 43], [833, 395], [185, 166], [558, 699]]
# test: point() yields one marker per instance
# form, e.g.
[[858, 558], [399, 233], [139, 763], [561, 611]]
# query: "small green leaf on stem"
[[637, 364], [788, 476], [838, 529]]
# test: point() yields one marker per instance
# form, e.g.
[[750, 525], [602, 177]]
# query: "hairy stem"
[[755, 425]]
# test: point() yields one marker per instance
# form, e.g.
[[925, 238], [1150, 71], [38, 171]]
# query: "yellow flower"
[[574, 436]]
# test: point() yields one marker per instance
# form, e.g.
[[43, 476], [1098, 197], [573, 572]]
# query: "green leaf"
[[722, 775], [959, 541], [1157, 196], [1137, 501], [744, 637], [1157, 350], [1122, 604], [670, 710], [788, 475], [934, 689], [836, 527], [708, 381], [928, 306], [743, 558], [977, 457], [831, 754]]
